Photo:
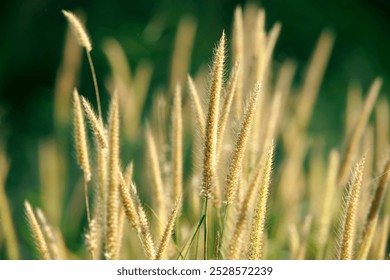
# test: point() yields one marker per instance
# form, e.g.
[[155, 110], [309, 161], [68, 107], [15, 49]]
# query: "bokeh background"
[[32, 40]]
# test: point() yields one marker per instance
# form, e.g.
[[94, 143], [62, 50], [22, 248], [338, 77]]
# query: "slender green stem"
[[96, 86], [193, 236], [196, 247], [223, 226], [205, 229]]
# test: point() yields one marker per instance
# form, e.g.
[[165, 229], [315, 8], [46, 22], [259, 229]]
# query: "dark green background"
[[32, 37]]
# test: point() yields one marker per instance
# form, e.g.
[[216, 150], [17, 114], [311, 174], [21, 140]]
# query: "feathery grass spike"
[[177, 145], [231, 90], [91, 238], [266, 59], [373, 213], [182, 50], [85, 42], [235, 168], [144, 228], [128, 203], [238, 55], [113, 183], [48, 235], [97, 126], [313, 78], [357, 133], [326, 213], [158, 184], [236, 241], [210, 143], [81, 137], [257, 234], [162, 248], [351, 208], [101, 199], [79, 30], [196, 105], [37, 233]]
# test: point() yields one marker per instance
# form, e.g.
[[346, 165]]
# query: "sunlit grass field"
[[218, 164]]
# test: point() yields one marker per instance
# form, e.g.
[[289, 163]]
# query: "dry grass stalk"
[[121, 233], [238, 56], [384, 236], [293, 241], [79, 30], [255, 61], [177, 145], [265, 61], [368, 236], [142, 78], [351, 207], [123, 82], [49, 235], [305, 237], [118, 61], [353, 107], [162, 248], [227, 104], [63, 251], [37, 233], [6, 225], [113, 183], [313, 78], [127, 177], [263, 64], [210, 144], [197, 107], [82, 146], [101, 201], [255, 68], [65, 79], [182, 51], [373, 214], [284, 81], [96, 125], [233, 177], [257, 234], [368, 147], [51, 174], [235, 245], [91, 238], [81, 137], [357, 133], [158, 185], [96, 231], [274, 116], [328, 202], [382, 116], [128, 203], [217, 244], [146, 237], [258, 49], [85, 42]]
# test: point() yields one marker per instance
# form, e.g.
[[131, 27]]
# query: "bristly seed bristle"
[[81, 137], [79, 30], [210, 142]]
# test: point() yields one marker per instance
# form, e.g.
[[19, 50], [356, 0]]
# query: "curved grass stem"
[[95, 84]]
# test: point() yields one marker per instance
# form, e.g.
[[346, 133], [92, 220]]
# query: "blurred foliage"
[[32, 37]]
